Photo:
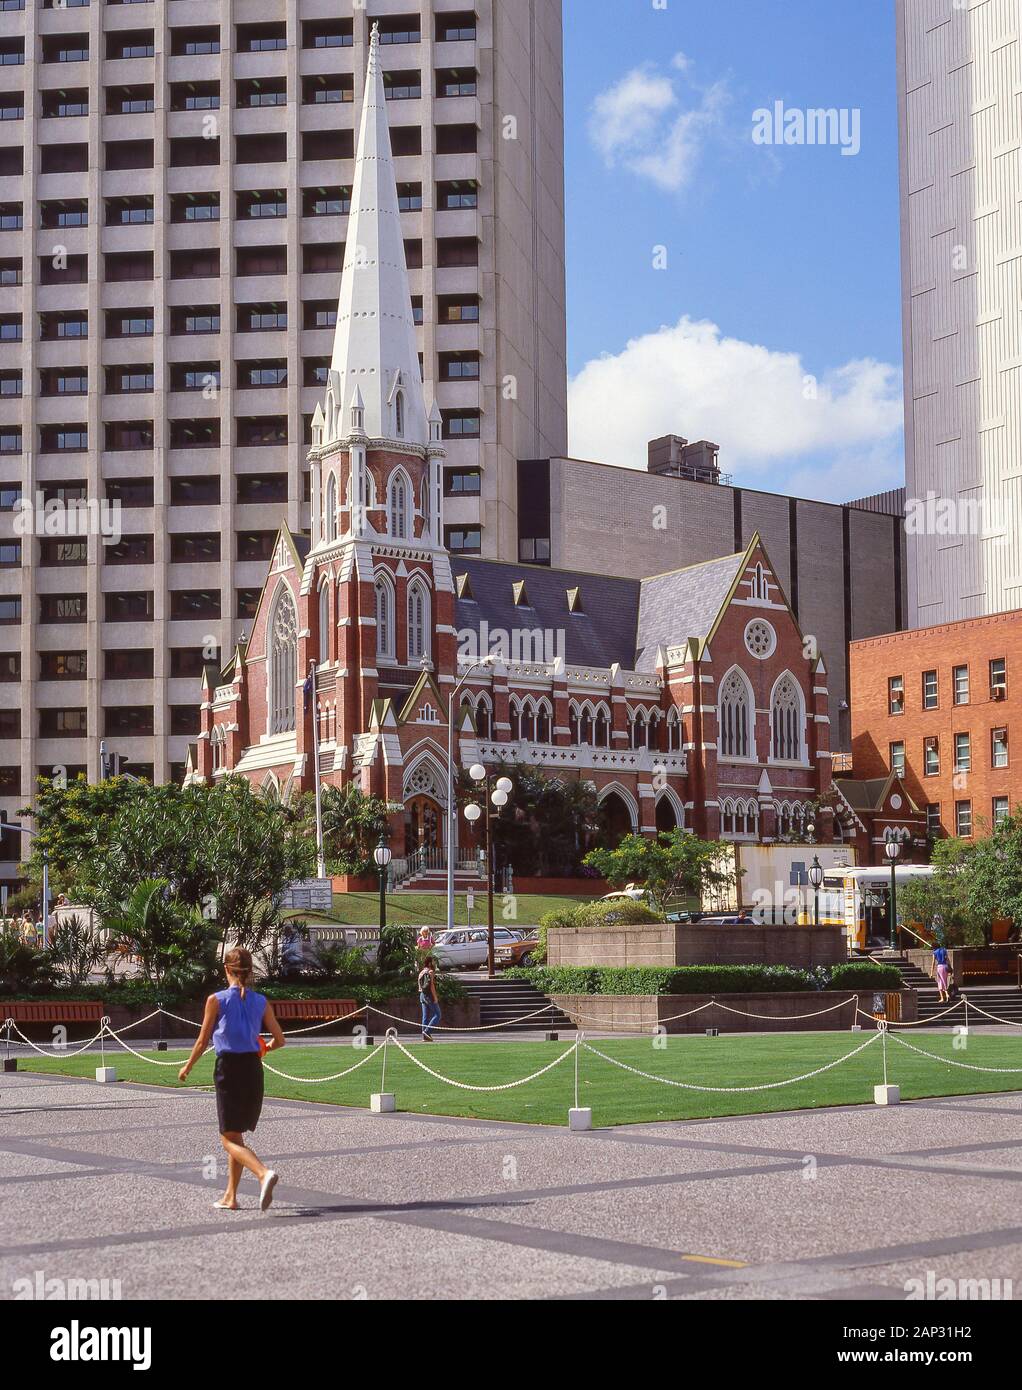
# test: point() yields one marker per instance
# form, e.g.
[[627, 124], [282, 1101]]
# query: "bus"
[[858, 901]]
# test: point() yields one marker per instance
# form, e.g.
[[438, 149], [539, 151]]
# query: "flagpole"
[[320, 856]]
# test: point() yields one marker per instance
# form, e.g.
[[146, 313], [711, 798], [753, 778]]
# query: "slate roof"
[[683, 604], [600, 635]]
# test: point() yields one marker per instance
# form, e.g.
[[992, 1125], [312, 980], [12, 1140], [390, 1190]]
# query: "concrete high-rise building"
[[175, 190], [960, 73]]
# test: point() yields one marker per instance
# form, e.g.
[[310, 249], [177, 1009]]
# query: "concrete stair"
[[503, 1000], [435, 881], [1003, 1000]]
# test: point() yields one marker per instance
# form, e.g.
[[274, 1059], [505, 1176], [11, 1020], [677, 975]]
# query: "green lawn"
[[430, 909], [616, 1097]]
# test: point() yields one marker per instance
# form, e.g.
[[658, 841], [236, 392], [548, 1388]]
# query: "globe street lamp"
[[484, 663], [816, 879], [498, 797], [893, 849], [382, 855]]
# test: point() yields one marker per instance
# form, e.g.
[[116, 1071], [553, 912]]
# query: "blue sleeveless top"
[[240, 1020]]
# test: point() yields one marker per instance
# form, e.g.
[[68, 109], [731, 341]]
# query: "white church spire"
[[375, 346]]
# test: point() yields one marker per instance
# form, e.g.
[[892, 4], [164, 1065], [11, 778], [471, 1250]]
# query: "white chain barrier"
[[950, 1062], [51, 1049], [733, 1090], [464, 1085], [319, 1080], [479, 1028], [915, 1023]]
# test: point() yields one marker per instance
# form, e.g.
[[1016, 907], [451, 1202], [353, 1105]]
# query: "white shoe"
[[266, 1190]]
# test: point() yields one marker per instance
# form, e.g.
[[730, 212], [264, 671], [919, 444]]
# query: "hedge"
[[705, 979]]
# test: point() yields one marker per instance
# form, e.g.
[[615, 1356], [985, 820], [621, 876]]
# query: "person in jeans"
[[428, 999], [234, 1020]]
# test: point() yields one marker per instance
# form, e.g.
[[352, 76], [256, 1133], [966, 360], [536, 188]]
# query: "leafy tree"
[[669, 866], [73, 824], [946, 903], [352, 825], [995, 878], [547, 824], [223, 850]]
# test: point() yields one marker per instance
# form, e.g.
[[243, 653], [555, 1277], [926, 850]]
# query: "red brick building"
[[938, 705], [687, 699]]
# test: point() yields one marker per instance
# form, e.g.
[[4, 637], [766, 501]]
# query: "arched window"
[[384, 619], [786, 721], [734, 715], [484, 718], [515, 716], [399, 507], [543, 722], [399, 415], [573, 724], [637, 726], [324, 623], [283, 670], [674, 732], [586, 727], [601, 736], [331, 508], [418, 622]]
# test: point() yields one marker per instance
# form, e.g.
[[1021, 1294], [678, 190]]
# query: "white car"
[[631, 893], [467, 949]]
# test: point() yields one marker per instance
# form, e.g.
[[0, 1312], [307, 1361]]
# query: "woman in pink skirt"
[[942, 962]]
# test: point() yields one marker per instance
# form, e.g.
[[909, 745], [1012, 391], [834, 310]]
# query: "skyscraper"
[[960, 72], [175, 191]]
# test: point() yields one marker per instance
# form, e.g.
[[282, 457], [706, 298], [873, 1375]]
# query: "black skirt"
[[238, 1078]]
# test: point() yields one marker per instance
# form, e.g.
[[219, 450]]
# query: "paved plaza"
[[117, 1183]]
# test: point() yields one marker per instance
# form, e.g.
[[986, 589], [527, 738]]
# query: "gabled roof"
[[685, 604], [426, 681], [602, 636], [870, 794]]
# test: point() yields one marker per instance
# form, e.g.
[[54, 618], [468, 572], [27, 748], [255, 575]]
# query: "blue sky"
[[780, 301]]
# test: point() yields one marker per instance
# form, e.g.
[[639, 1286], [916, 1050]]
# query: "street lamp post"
[[382, 855], [473, 814], [816, 879], [893, 849], [452, 810]]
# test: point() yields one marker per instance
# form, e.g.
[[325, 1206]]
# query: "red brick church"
[[687, 699]]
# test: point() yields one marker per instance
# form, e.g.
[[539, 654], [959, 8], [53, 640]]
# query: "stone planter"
[[778, 1013], [671, 944], [462, 1014]]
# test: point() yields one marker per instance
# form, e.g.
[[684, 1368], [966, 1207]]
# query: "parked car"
[[467, 949], [518, 952], [631, 893]]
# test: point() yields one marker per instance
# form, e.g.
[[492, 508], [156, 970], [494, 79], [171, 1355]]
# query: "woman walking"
[[428, 999], [942, 964], [234, 1019]]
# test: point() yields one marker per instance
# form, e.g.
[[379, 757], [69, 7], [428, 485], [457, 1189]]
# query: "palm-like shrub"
[[76, 950], [174, 944]]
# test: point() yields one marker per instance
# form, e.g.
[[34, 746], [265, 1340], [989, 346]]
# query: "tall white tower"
[[960, 74]]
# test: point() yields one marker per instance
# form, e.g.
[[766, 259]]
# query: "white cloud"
[[755, 402], [639, 124]]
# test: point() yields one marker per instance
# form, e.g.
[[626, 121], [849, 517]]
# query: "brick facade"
[[965, 793]]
